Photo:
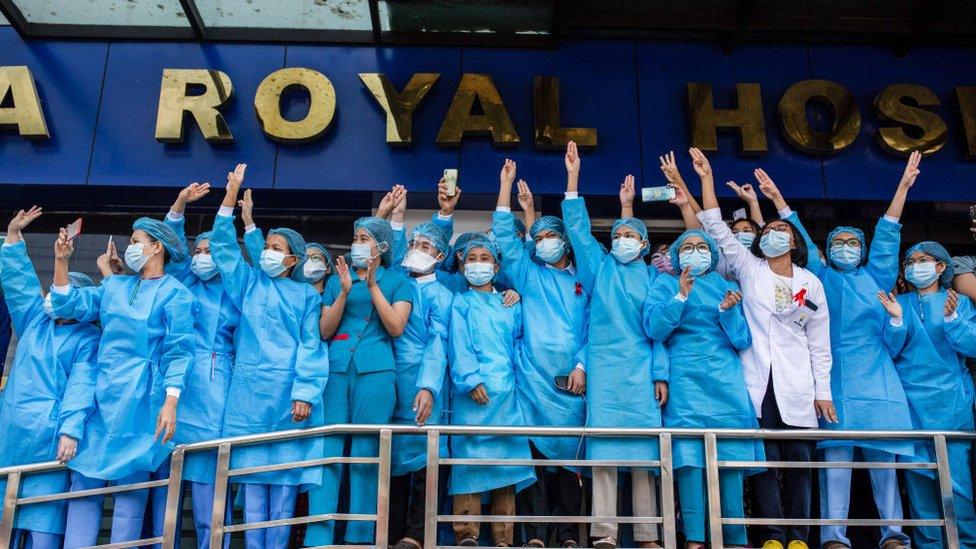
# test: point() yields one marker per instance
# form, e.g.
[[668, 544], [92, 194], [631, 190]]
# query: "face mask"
[[662, 263], [479, 274], [272, 262], [360, 255], [49, 307], [746, 238], [845, 256], [921, 275], [699, 262], [774, 243], [550, 249], [313, 271], [135, 257], [203, 266], [418, 262], [625, 249]]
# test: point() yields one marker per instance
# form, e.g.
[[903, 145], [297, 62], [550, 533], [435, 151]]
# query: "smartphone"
[[74, 229], [657, 194], [450, 177], [562, 383], [739, 214]]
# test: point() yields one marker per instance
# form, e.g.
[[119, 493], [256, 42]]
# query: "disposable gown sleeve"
[[399, 245], [814, 264], [81, 304], [660, 362], [446, 225], [516, 259], [737, 256], [312, 358], [895, 337], [178, 343], [254, 245], [234, 271], [662, 310], [78, 402], [179, 270], [733, 323], [434, 361], [588, 252], [883, 254], [465, 370], [21, 286], [961, 331]]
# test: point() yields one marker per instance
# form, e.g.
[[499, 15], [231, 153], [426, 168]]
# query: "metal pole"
[[9, 507], [174, 499], [383, 490], [667, 493], [712, 489], [430, 495], [220, 497], [950, 529]]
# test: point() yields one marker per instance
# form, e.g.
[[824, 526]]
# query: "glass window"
[[155, 13]]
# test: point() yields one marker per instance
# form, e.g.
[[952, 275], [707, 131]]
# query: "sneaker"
[[570, 544], [797, 544], [534, 543], [468, 542], [609, 542], [407, 543], [892, 543], [839, 545], [772, 544]]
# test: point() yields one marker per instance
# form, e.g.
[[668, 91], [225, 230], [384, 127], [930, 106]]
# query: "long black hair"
[[799, 254]]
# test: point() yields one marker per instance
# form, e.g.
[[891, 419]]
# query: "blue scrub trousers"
[[268, 502], [351, 398], [924, 503], [35, 540], [835, 494], [85, 514], [201, 495], [694, 512]]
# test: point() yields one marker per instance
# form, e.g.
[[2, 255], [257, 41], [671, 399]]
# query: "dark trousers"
[[408, 495], [557, 491], [796, 482]]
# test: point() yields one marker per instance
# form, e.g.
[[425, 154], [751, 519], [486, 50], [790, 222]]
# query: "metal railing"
[[432, 518]]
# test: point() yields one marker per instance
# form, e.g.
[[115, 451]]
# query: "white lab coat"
[[794, 344]]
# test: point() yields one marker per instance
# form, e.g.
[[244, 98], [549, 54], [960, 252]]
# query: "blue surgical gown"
[[279, 358], [49, 391]]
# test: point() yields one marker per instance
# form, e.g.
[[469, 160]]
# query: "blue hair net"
[[204, 236], [857, 233], [433, 233], [162, 232], [381, 232], [936, 250], [519, 225], [328, 257], [548, 223], [635, 224], [297, 245], [676, 245], [450, 264], [482, 243], [80, 280]]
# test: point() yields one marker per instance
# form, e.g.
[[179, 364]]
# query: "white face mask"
[[314, 271], [135, 257], [272, 262], [203, 266], [419, 262]]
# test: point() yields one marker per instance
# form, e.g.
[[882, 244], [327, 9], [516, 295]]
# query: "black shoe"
[[468, 542], [534, 543], [570, 544]]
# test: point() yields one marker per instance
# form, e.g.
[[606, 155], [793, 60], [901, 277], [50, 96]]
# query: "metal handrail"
[[710, 438]]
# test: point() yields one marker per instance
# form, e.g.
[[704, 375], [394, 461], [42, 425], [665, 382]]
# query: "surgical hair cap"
[[936, 250], [676, 246], [450, 264], [80, 280], [297, 245], [548, 223], [482, 243], [635, 224], [204, 236], [162, 232], [433, 233], [858, 233], [381, 232], [328, 257], [519, 225]]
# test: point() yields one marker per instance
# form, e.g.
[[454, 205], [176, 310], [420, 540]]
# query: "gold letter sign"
[[25, 115], [460, 120], [747, 118], [399, 107], [966, 96], [549, 135], [796, 126], [890, 106], [321, 109], [175, 103]]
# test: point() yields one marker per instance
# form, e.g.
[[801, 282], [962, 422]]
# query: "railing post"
[[9, 508], [667, 492], [951, 528], [174, 499], [383, 490], [220, 497], [714, 497], [433, 482]]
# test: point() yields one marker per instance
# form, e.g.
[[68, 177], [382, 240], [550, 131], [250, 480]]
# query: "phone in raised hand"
[[74, 229], [450, 178]]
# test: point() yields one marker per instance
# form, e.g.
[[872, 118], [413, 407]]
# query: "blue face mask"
[[774, 243], [360, 255], [479, 274], [203, 266], [746, 238], [550, 249], [697, 261], [625, 249], [273, 262], [845, 256], [921, 275]]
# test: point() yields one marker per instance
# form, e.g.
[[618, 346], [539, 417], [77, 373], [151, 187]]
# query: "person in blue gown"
[[144, 354], [483, 354], [698, 317], [48, 394], [362, 312], [929, 335], [626, 387], [280, 367]]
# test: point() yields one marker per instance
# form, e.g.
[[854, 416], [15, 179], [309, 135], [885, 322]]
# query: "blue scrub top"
[[4, 333]]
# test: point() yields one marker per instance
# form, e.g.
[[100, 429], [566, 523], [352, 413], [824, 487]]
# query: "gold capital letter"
[[890, 106], [549, 135], [495, 120], [26, 114], [747, 118], [796, 127], [321, 110], [399, 107], [966, 97], [175, 104]]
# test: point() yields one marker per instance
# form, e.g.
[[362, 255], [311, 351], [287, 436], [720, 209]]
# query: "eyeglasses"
[[852, 242], [701, 247], [910, 261], [319, 258]]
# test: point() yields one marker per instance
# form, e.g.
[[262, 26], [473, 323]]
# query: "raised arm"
[[444, 217], [770, 190], [588, 252], [82, 304], [683, 202], [397, 216], [627, 193], [704, 170], [907, 180], [253, 235], [748, 195], [527, 203], [177, 221], [226, 252], [21, 286], [670, 169]]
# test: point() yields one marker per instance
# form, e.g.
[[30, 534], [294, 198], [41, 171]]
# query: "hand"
[[577, 381], [300, 411], [951, 302], [732, 298], [386, 205], [685, 282], [700, 162], [661, 393], [23, 219], [345, 278], [447, 203], [193, 192], [400, 206], [371, 267], [627, 192], [110, 263], [680, 198], [67, 448], [911, 170], [890, 304], [166, 420], [236, 178], [507, 175], [766, 185], [63, 248], [479, 394], [825, 409], [510, 298], [744, 192], [525, 198], [572, 158], [247, 208], [670, 168], [423, 404]]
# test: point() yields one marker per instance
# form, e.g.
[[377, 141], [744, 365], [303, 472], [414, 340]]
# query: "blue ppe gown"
[[49, 391], [929, 354]]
